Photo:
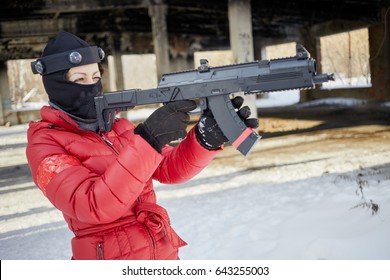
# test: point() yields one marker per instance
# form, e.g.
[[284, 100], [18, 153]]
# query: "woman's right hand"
[[166, 124]]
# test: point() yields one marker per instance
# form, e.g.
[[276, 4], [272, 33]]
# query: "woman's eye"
[[97, 79], [78, 80]]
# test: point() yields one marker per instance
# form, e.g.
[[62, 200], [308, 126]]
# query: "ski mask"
[[60, 54]]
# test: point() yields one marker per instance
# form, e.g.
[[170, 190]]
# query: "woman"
[[102, 182]]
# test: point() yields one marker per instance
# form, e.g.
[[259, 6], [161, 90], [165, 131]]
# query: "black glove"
[[209, 134], [166, 124]]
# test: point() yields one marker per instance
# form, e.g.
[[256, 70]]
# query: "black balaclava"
[[60, 54], [73, 98]]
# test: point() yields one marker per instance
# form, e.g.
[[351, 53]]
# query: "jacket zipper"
[[109, 143], [100, 251]]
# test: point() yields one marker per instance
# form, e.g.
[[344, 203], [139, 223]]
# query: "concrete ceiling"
[[28, 23]]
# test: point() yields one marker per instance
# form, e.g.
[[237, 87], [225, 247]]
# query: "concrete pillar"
[[309, 40], [379, 46], [4, 91], [157, 12], [119, 81], [115, 81], [112, 80], [117, 54], [241, 39]]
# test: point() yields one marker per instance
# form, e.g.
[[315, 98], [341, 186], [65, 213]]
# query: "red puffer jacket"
[[102, 183]]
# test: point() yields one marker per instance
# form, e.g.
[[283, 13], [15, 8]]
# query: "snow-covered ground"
[[286, 210], [311, 195]]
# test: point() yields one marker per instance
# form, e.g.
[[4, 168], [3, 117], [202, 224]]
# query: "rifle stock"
[[212, 87]]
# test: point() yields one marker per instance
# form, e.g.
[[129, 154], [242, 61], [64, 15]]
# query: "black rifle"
[[213, 85]]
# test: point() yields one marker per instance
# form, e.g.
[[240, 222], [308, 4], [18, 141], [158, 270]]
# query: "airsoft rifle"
[[212, 87]]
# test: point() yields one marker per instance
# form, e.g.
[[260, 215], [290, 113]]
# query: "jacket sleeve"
[[184, 161], [81, 193]]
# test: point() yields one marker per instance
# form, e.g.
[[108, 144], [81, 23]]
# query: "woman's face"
[[84, 74]]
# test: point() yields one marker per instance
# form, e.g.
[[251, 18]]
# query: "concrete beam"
[[36, 27], [68, 6]]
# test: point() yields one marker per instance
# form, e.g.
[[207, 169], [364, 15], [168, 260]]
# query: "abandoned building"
[[175, 30]]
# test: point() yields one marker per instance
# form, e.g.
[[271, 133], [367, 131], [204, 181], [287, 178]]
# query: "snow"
[[278, 98], [286, 200], [339, 101], [308, 218]]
